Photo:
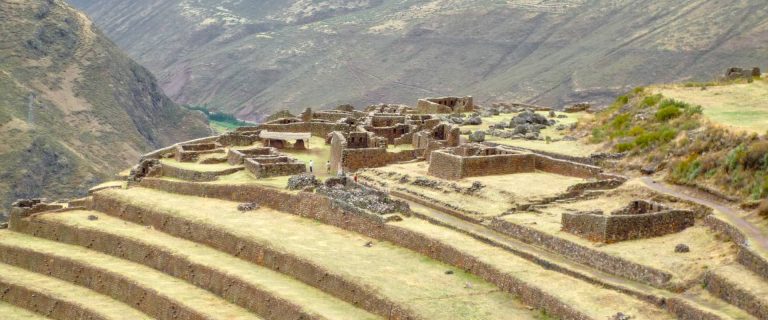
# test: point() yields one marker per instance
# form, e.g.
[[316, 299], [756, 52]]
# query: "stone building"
[[640, 219], [445, 105]]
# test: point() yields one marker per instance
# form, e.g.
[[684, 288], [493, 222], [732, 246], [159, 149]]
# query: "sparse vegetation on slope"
[[695, 144], [74, 110]]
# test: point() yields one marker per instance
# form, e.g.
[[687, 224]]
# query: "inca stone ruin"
[[363, 214]]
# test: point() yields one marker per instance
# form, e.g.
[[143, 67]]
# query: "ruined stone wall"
[[390, 133], [380, 120], [406, 138], [265, 170], [581, 254], [354, 159], [588, 226], [318, 129], [330, 116], [567, 168], [238, 139], [244, 294], [236, 157], [191, 152], [615, 228], [733, 294], [445, 105], [193, 175]]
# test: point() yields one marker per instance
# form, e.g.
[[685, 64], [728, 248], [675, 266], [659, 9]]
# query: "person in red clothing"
[[355, 177]]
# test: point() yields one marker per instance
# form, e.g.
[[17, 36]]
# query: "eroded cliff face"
[[254, 57], [74, 110]]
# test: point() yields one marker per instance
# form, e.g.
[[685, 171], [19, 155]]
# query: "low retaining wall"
[[248, 250], [228, 286], [731, 293], [684, 311], [43, 303], [354, 159], [198, 176], [581, 254], [746, 256], [109, 283]]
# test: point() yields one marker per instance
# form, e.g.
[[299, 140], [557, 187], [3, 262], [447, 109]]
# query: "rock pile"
[[460, 119], [477, 136], [302, 181], [249, 206], [525, 125], [358, 197]]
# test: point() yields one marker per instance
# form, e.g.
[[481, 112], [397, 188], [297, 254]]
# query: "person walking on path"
[[328, 166], [311, 165]]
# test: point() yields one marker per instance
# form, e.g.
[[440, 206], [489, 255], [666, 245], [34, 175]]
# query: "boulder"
[[528, 117], [682, 248], [249, 206], [474, 121], [477, 136]]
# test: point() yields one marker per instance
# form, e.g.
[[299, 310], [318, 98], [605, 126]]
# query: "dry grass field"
[[741, 106]]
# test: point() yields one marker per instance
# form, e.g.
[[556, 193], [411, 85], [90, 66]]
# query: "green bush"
[[668, 113], [651, 100], [624, 146], [652, 138], [735, 157]]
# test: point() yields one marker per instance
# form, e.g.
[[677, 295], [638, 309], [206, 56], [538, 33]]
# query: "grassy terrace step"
[[383, 278], [266, 292], [59, 299], [11, 312], [148, 290], [741, 288]]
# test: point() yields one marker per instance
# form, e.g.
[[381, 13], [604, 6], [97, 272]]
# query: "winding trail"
[[755, 237]]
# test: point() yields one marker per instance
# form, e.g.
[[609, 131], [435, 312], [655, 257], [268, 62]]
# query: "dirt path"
[[756, 238]]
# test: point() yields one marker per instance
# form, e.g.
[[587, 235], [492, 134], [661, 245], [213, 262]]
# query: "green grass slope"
[[74, 110]]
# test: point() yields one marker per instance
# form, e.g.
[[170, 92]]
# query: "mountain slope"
[[74, 110], [253, 57]]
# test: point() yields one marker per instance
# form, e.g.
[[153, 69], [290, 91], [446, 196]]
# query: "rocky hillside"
[[253, 57], [74, 110]]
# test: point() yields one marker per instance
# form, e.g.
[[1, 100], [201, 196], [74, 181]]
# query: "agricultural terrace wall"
[[43, 303], [162, 152], [191, 152], [318, 129], [177, 265], [615, 228], [314, 206], [110, 283], [249, 250], [193, 175], [746, 256], [581, 254], [731, 292]]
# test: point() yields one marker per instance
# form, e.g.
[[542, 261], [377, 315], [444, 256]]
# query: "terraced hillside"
[[256, 57], [231, 246], [74, 110]]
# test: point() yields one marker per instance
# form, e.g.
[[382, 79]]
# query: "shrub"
[[651, 100], [762, 208], [687, 170], [621, 122], [734, 158], [668, 113], [662, 135], [624, 146], [756, 156], [636, 131]]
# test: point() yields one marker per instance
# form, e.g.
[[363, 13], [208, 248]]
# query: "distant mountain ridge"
[[74, 110], [254, 57]]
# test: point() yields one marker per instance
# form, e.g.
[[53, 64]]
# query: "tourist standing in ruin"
[[311, 164], [328, 166]]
